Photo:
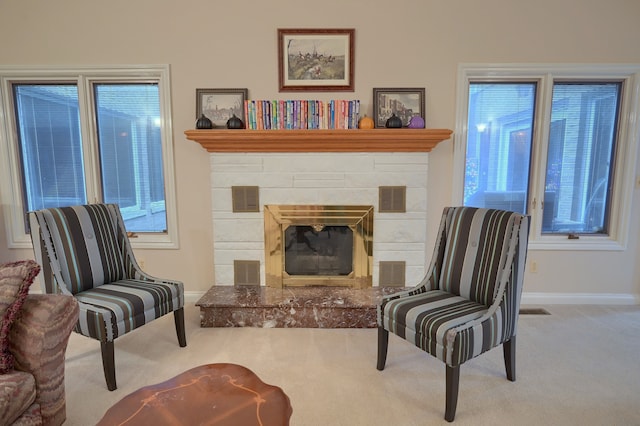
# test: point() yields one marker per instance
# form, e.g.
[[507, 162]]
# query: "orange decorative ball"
[[366, 123]]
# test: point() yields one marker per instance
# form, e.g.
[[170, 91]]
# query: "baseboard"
[[580, 299], [193, 296]]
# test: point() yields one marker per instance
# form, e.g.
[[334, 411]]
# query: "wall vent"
[[392, 274], [246, 272], [245, 199], [534, 311], [392, 199]]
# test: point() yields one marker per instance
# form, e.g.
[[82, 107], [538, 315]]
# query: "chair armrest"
[[143, 276], [38, 342], [425, 285]]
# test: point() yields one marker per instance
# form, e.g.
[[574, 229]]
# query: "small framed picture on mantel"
[[219, 105], [405, 103]]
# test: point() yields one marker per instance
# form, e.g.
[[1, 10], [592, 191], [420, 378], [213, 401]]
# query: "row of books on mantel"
[[301, 114]]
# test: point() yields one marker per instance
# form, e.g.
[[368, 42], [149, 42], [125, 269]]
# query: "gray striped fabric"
[[469, 300], [90, 257]]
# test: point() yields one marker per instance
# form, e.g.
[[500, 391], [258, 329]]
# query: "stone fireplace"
[[311, 245], [293, 184]]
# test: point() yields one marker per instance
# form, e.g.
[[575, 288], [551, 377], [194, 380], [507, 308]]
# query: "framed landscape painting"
[[403, 102], [316, 59], [219, 105]]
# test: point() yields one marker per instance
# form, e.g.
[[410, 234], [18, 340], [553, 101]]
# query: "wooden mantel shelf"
[[353, 140]]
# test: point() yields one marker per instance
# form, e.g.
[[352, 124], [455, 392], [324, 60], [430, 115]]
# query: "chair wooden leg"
[[383, 344], [509, 350], [453, 380], [178, 317], [108, 364]]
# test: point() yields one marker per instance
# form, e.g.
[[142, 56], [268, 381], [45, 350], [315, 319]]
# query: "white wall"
[[416, 43]]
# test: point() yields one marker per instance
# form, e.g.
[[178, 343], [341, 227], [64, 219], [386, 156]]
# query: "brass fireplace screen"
[[318, 245]]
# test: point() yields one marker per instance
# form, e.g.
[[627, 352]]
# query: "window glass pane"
[[580, 155], [128, 118], [48, 124], [500, 122]]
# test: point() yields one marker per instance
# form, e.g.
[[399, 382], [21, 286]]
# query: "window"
[[557, 143], [90, 135], [582, 141], [498, 150]]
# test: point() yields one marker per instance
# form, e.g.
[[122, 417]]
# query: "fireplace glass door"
[[318, 250]]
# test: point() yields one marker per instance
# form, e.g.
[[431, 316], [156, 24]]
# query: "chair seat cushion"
[[426, 318], [17, 394], [111, 310]]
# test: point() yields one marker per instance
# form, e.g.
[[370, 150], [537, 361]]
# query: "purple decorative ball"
[[416, 122]]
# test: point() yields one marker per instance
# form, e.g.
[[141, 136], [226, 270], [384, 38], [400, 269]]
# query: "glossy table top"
[[212, 394]]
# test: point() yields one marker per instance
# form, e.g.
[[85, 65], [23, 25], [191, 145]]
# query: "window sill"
[[585, 243]]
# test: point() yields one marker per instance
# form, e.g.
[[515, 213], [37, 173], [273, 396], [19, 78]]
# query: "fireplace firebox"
[[318, 250], [318, 245]]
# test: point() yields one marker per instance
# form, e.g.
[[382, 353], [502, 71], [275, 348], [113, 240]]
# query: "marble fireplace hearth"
[[291, 307]]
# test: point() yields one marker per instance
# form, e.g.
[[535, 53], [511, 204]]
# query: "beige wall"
[[416, 43]]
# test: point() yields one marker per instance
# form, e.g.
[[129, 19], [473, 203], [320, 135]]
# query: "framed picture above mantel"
[[316, 59]]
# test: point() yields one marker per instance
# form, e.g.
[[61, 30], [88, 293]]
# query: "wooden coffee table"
[[212, 394]]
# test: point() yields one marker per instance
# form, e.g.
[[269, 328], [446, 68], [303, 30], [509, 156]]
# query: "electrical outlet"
[[141, 263], [533, 267]]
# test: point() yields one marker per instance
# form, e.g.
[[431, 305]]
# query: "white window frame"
[[84, 76], [628, 139]]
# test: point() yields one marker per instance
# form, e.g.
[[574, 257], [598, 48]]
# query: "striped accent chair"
[[468, 302], [88, 255]]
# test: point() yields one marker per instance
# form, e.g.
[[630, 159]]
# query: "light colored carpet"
[[577, 366]]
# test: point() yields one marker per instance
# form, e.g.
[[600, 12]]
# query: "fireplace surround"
[[319, 167], [311, 245], [318, 179]]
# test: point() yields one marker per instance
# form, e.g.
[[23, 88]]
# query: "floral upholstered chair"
[[34, 332], [85, 252], [469, 300]]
